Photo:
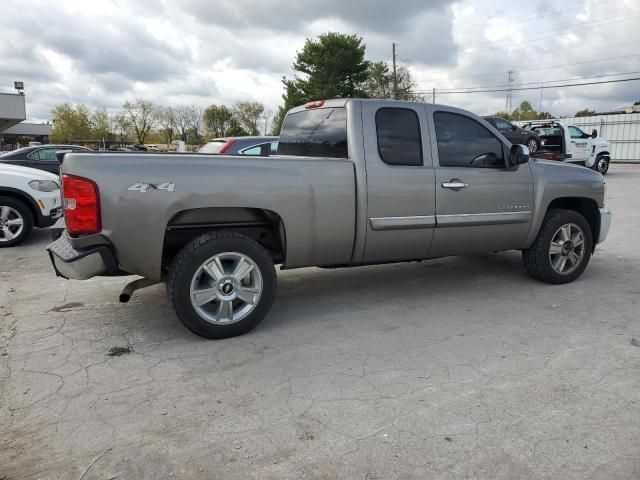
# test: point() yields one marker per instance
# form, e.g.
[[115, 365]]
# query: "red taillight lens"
[[316, 104], [226, 146], [81, 201]]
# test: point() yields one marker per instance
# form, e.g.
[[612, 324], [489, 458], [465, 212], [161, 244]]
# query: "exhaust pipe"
[[131, 287]]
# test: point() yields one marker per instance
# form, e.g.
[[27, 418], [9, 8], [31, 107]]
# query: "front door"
[[480, 204], [580, 144], [400, 182]]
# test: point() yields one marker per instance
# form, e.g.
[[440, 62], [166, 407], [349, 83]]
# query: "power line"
[[528, 20], [540, 81], [543, 87], [586, 25], [548, 67]]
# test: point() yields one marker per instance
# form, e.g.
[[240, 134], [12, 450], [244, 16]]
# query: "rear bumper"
[[81, 264], [605, 224]]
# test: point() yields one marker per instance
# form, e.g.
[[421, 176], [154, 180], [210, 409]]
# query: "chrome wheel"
[[533, 145], [11, 223], [567, 249], [226, 288]]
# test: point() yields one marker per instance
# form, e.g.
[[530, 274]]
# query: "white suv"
[[28, 198]]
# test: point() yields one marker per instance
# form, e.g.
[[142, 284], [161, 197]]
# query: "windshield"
[[214, 146]]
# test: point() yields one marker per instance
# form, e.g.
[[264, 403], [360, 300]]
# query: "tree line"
[[142, 121]]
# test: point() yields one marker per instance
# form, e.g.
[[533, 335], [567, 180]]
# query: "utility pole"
[[541, 89], [508, 102], [433, 95], [395, 75]]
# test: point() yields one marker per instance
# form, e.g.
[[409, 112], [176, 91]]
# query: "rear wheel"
[[601, 164], [16, 222], [222, 284], [562, 249]]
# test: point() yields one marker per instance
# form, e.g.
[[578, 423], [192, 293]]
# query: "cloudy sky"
[[103, 52]]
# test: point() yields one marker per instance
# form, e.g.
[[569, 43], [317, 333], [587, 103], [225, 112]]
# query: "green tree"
[[379, 83], [235, 129], [248, 114], [333, 66], [637, 102], [70, 123], [502, 114], [585, 112], [217, 119], [141, 116], [524, 112]]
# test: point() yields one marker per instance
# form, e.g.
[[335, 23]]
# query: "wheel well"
[[24, 198], [586, 207], [263, 226]]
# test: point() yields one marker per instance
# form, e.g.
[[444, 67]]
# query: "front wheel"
[[562, 249], [222, 284], [16, 222], [601, 164]]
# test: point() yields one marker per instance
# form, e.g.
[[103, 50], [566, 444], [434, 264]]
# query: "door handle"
[[454, 184]]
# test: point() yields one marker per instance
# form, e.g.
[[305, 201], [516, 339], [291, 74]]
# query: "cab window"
[[463, 142], [575, 132], [503, 124], [47, 155], [399, 139]]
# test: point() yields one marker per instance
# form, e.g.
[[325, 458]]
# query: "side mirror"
[[594, 133], [518, 155], [514, 127]]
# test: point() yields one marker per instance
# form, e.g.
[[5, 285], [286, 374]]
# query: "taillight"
[[226, 146], [316, 104], [81, 202]]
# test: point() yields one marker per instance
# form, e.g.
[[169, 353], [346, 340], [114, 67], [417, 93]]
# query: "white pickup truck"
[[559, 141]]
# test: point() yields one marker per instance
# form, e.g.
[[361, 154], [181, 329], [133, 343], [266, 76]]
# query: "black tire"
[[537, 258], [193, 256], [24, 212], [601, 164], [533, 144]]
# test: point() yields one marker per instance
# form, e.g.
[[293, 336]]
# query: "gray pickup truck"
[[354, 182]]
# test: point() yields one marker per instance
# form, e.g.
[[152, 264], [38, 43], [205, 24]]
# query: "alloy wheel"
[[11, 223], [226, 288], [567, 249]]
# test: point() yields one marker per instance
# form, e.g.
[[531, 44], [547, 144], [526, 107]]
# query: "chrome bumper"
[[80, 265], [605, 224]]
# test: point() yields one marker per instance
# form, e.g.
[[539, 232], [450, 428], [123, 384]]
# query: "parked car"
[[560, 141], [515, 134], [263, 146], [28, 198], [354, 182], [42, 157]]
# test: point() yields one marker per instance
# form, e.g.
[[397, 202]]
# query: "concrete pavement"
[[447, 369]]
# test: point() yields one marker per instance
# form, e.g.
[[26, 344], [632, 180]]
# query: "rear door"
[[481, 205], [400, 182]]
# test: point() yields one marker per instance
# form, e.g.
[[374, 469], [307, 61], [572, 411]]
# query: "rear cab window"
[[319, 132]]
